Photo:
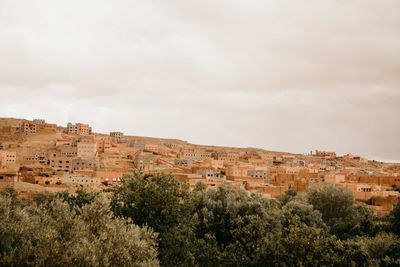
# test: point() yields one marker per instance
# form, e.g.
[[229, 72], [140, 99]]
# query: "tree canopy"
[[151, 220]]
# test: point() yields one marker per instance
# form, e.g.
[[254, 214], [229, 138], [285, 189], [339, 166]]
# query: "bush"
[[377, 246], [334, 203], [54, 235], [157, 201]]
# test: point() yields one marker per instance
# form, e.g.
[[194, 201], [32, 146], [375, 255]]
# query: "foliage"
[[377, 246], [153, 219], [288, 196], [157, 201], [339, 212], [55, 235], [394, 219], [306, 241], [333, 202], [304, 212], [232, 227], [303, 245]]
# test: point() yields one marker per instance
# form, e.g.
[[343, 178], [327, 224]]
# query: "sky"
[[290, 76]]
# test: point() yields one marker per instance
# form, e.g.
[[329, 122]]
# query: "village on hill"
[[40, 157]]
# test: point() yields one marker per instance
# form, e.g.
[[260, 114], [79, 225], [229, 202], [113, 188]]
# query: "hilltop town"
[[40, 157]]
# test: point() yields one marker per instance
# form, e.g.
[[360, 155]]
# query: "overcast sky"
[[281, 75]]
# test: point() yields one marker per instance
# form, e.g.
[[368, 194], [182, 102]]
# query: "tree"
[[378, 246], [338, 210], [303, 245], [157, 201], [394, 219], [233, 228], [393, 250], [53, 234], [305, 213], [306, 241], [288, 196], [333, 202]]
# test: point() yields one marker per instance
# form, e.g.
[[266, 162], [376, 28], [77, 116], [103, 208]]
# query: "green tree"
[[233, 228], [157, 201], [336, 204], [393, 251], [377, 246], [302, 245], [394, 219], [54, 235], [286, 198]]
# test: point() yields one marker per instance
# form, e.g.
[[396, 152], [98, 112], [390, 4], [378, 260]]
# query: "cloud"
[[291, 76]]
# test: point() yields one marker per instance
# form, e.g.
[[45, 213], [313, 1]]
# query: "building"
[[172, 146], [227, 157], [183, 162], [325, 154], [209, 173], [334, 178], [194, 154], [69, 152], [7, 157], [109, 176], [50, 126], [61, 163], [82, 164], [145, 147], [354, 157], [39, 121], [10, 130], [38, 157], [72, 128], [104, 144], [145, 161], [9, 176], [257, 173], [212, 163], [238, 171], [86, 150], [117, 135], [28, 128], [138, 147], [84, 129], [151, 147], [80, 179], [79, 128]]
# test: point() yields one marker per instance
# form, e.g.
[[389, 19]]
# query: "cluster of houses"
[[82, 158]]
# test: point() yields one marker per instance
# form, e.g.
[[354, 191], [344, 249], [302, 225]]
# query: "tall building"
[[79, 128]]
